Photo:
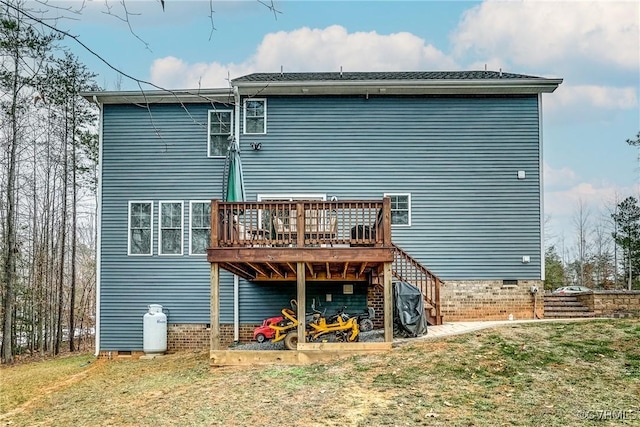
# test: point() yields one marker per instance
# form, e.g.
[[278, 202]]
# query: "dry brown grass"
[[552, 374]]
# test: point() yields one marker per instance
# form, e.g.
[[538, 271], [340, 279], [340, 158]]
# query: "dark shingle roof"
[[380, 75]]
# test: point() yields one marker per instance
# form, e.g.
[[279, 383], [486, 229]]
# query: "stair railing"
[[408, 269]]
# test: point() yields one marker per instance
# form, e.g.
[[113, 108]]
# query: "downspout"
[[541, 174], [98, 225], [236, 280], [541, 189]]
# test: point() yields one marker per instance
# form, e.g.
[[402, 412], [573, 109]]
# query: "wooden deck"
[[302, 241], [346, 240]]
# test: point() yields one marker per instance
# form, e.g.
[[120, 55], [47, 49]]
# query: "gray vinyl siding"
[[139, 165], [457, 156]]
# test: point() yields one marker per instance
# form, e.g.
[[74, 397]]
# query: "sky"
[[593, 45]]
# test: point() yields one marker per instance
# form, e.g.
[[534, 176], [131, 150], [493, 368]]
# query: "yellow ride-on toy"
[[340, 327]]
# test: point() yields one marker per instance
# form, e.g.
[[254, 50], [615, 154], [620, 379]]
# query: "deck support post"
[[301, 297], [388, 302], [214, 336]]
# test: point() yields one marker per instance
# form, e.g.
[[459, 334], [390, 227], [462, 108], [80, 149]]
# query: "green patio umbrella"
[[234, 190]]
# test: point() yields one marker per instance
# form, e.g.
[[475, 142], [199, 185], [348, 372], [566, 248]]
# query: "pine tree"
[[627, 236]]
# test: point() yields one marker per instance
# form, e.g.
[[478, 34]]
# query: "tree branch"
[[126, 20]]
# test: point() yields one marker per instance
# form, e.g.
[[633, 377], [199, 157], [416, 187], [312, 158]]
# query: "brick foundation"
[[461, 300], [246, 333], [121, 354], [489, 300], [186, 336]]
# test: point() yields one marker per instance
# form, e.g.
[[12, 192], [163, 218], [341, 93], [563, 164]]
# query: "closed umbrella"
[[234, 190]]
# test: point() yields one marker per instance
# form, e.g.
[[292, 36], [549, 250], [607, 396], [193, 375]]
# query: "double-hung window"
[[140, 228], [220, 131], [199, 227], [255, 116], [170, 228], [400, 208]]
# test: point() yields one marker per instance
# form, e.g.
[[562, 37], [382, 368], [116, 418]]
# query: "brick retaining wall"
[[618, 303]]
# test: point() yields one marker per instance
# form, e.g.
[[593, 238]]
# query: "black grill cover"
[[409, 319]]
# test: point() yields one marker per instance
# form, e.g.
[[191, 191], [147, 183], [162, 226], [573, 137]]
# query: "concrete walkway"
[[457, 328]]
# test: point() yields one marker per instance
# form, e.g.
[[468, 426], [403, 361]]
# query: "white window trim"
[[409, 213], [131, 202], [160, 203], [244, 116], [291, 197], [191, 203], [225, 110]]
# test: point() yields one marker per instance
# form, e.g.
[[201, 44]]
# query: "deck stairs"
[[408, 269], [565, 307]]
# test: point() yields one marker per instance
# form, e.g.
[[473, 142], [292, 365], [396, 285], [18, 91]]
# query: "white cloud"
[[308, 49], [332, 47], [533, 33], [588, 103], [558, 177], [603, 97], [561, 206], [563, 202], [173, 73]]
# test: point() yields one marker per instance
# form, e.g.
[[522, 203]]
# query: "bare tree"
[[22, 54], [581, 222]]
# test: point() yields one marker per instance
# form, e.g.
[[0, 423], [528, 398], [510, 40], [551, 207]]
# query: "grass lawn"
[[545, 374]]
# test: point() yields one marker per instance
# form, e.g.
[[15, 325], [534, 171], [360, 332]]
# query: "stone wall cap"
[[616, 292]]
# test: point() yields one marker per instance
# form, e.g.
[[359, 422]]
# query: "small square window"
[[255, 116], [400, 208], [220, 131]]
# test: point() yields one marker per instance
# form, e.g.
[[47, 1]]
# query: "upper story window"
[[255, 116], [140, 228], [400, 208], [170, 228], [200, 227], [220, 129]]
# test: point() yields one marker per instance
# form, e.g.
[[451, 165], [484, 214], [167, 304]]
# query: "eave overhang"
[[330, 87], [400, 87], [181, 96]]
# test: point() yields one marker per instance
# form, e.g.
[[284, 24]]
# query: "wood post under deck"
[[215, 307], [301, 284], [388, 303]]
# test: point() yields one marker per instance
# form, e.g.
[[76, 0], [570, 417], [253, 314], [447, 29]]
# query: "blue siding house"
[[455, 158]]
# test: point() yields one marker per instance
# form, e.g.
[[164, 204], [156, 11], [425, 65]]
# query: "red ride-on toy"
[[264, 332]]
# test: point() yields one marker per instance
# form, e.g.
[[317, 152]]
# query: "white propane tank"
[[154, 330]]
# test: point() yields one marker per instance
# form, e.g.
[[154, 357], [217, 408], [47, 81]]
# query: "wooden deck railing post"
[[300, 224], [386, 222], [215, 227], [437, 299]]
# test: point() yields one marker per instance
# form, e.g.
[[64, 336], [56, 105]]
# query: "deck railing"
[[408, 269], [301, 223]]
